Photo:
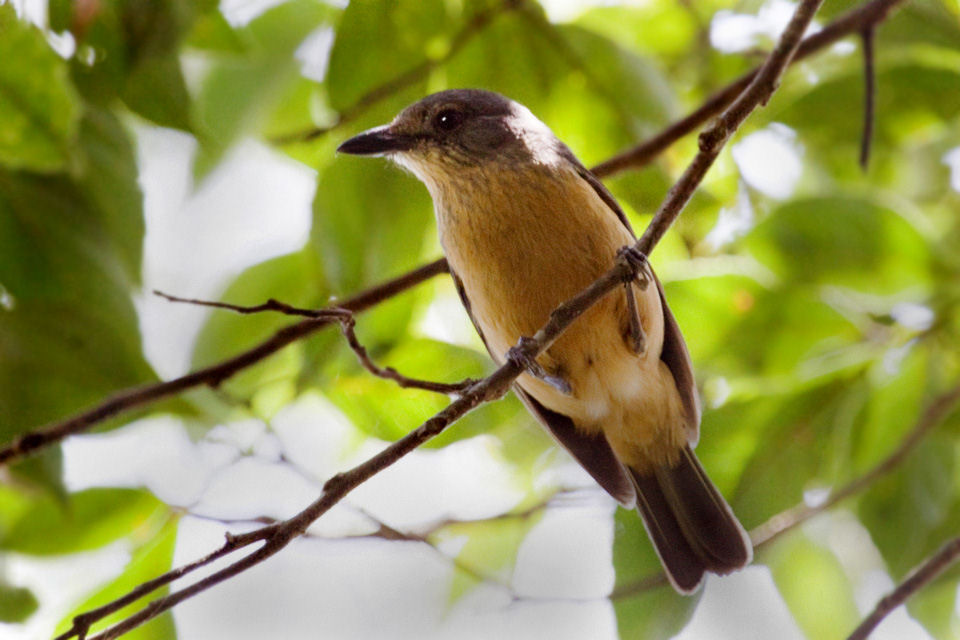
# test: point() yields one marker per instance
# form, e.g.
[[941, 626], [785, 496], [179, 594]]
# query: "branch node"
[[524, 356]]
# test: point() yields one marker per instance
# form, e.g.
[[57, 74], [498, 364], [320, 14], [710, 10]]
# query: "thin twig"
[[474, 26], [920, 577], [347, 320], [869, 95], [938, 410], [855, 20], [499, 382], [213, 375]]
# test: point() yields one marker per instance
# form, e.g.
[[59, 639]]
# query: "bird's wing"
[[674, 354], [592, 452]]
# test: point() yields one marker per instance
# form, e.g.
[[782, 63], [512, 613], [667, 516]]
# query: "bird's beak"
[[378, 141]]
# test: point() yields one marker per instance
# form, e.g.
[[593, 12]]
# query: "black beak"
[[377, 142]]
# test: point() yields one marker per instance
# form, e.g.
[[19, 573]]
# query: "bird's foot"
[[522, 356], [637, 261]]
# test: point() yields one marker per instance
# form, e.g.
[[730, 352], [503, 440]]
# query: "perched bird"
[[525, 226]]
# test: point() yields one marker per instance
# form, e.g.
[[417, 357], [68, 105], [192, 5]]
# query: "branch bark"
[[276, 537], [919, 578], [856, 20]]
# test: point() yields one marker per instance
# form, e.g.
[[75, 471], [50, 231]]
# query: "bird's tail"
[[692, 527]]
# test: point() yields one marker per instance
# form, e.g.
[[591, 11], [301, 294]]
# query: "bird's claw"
[[637, 261], [521, 354]]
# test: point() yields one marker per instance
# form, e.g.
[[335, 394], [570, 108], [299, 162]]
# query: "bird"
[[524, 227]]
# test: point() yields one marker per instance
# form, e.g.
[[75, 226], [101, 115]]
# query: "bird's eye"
[[447, 120]]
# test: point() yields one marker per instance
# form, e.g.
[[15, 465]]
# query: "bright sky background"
[[257, 205]]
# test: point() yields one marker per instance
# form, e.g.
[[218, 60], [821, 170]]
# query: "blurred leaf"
[[241, 89], [814, 587], [295, 279], [108, 176], [935, 607], [88, 520], [68, 325], [377, 40], [384, 410], [16, 603], [128, 49], [652, 612], [369, 224], [787, 458], [38, 105], [844, 241], [920, 496], [152, 557]]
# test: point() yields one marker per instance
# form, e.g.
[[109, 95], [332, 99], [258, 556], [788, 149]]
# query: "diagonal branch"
[[860, 19], [348, 322], [276, 537], [919, 578]]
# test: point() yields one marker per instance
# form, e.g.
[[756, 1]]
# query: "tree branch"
[[347, 320], [276, 537], [938, 410], [920, 577], [855, 20], [211, 376], [869, 95]]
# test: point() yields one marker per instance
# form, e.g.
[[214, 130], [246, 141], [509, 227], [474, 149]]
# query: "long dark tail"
[[692, 527]]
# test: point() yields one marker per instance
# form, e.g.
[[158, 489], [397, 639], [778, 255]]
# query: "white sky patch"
[[770, 160], [240, 12], [254, 206], [730, 607], [314, 54], [567, 10], [731, 32], [913, 316], [732, 222], [952, 160]]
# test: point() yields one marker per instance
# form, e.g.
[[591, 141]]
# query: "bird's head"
[[449, 132]]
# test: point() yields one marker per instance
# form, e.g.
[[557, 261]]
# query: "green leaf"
[[129, 50], [108, 176], [69, 326], [241, 89], [377, 40], [370, 222], [38, 105], [150, 559], [88, 520], [645, 608], [786, 458], [16, 603], [921, 497], [295, 279], [935, 606], [383, 409], [814, 587], [845, 241]]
